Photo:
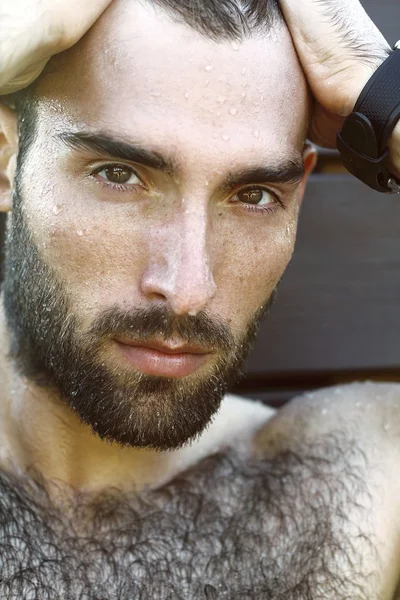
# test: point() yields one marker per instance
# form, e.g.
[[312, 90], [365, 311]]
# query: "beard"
[[50, 348]]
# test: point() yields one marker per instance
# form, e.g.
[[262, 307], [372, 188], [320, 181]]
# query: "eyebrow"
[[104, 144], [290, 171]]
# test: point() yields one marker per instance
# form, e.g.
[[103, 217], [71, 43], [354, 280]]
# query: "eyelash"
[[119, 187], [254, 208], [251, 208]]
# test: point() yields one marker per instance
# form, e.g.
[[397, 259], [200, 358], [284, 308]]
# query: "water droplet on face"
[[324, 411], [79, 233], [225, 137], [235, 46], [233, 111], [243, 71], [256, 133], [208, 68], [221, 99], [386, 427], [57, 209], [187, 95]]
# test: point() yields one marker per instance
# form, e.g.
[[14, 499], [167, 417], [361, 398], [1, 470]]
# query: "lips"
[[161, 359]]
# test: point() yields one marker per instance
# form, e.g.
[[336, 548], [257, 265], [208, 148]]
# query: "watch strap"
[[363, 139]]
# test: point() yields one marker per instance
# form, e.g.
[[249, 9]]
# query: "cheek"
[[252, 265], [98, 259], [85, 242]]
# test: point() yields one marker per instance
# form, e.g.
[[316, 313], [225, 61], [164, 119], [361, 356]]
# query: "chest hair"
[[228, 529]]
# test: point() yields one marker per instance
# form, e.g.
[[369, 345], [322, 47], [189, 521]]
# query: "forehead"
[[139, 73]]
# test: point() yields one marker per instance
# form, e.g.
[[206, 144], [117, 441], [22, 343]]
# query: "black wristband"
[[363, 139]]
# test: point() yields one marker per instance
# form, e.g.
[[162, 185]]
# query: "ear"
[[310, 157], [8, 155]]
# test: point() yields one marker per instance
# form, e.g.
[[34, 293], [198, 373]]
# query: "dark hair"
[[225, 19]]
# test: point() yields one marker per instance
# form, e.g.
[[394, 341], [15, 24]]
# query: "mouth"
[[162, 359]]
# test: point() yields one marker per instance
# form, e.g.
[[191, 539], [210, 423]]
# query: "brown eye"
[[255, 196], [250, 196], [118, 174]]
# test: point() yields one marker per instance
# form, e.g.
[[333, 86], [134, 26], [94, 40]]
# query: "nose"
[[180, 269]]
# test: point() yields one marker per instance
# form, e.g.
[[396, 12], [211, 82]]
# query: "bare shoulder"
[[351, 428], [368, 412], [341, 448]]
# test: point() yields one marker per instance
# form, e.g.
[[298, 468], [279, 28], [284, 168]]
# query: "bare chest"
[[267, 530]]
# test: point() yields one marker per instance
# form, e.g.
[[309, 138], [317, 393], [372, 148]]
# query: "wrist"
[[366, 67]]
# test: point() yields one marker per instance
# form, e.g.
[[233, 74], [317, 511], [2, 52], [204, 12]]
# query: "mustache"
[[161, 323]]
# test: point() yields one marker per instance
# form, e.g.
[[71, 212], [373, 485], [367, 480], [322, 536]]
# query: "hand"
[[339, 48], [31, 32]]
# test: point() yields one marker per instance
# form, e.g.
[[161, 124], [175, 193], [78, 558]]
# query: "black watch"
[[363, 139]]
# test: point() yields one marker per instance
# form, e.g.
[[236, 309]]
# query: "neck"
[[41, 434]]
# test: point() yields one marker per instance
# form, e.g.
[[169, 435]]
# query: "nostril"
[[157, 296]]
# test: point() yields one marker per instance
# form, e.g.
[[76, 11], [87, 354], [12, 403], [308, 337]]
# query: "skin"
[[185, 244], [53, 25], [367, 415], [254, 258], [339, 48], [337, 43]]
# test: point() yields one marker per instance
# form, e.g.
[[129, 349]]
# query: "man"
[[160, 169]]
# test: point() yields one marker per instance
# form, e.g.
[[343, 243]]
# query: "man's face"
[[157, 205]]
